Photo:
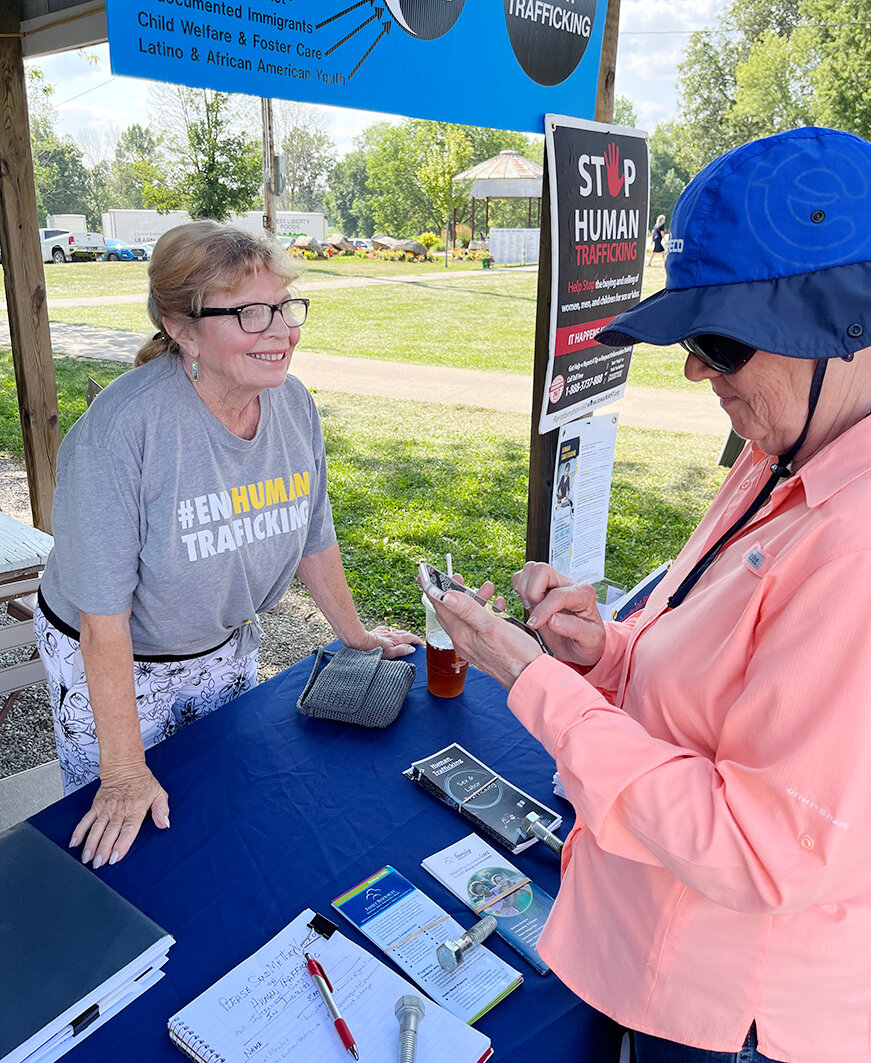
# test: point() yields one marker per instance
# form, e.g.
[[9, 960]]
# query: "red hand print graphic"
[[612, 168]]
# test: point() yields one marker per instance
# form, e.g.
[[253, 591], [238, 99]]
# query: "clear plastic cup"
[[445, 670]]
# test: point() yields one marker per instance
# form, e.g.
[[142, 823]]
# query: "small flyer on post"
[[489, 884], [581, 496]]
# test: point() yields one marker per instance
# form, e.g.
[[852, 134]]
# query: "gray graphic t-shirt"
[[160, 509]]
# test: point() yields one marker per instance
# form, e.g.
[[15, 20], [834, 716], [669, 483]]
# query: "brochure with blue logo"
[[408, 926], [491, 885]]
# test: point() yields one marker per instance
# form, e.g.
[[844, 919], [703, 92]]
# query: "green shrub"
[[429, 240]]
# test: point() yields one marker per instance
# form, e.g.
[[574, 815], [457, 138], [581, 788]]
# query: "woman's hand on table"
[[564, 612], [125, 797], [393, 641], [482, 637]]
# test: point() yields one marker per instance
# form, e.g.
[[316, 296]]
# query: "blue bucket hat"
[[770, 245]]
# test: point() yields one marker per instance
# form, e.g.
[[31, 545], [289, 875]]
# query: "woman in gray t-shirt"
[[188, 496]]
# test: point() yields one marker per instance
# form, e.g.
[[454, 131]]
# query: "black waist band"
[[156, 658]]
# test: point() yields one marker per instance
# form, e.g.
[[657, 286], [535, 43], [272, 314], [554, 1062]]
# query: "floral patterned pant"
[[169, 695]]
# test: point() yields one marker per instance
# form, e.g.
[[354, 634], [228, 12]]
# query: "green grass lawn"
[[411, 481], [93, 279], [462, 322], [459, 321]]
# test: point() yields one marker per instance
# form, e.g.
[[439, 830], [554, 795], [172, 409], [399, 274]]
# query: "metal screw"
[[452, 953], [409, 1010], [532, 825]]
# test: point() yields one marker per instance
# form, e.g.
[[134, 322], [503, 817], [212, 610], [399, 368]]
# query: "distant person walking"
[[658, 235]]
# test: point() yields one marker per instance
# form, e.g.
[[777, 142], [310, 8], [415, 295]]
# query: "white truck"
[[61, 245]]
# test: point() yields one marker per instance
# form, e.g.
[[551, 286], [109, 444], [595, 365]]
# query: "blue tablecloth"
[[273, 812]]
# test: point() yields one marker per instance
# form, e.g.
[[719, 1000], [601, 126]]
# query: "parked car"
[[361, 245], [119, 251], [60, 245]]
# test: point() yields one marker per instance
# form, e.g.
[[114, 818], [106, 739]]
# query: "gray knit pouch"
[[356, 686]]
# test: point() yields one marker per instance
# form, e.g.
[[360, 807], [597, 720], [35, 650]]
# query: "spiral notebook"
[[268, 1008]]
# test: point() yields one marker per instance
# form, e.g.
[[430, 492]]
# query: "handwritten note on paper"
[[268, 1009]]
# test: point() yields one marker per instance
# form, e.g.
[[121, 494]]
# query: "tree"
[[708, 83], [837, 46], [625, 113], [668, 178], [773, 91], [348, 201], [400, 207], [448, 154], [309, 154], [394, 155], [217, 165], [138, 167]]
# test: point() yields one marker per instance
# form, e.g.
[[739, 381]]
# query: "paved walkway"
[[676, 411]]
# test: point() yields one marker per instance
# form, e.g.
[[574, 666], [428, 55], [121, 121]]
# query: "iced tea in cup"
[[445, 671]]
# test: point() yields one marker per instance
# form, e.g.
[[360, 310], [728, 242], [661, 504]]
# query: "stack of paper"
[[73, 952]]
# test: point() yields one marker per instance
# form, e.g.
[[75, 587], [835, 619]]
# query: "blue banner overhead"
[[499, 63]]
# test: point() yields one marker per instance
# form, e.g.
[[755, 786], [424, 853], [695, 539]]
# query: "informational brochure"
[[409, 927], [491, 885], [581, 496], [495, 806]]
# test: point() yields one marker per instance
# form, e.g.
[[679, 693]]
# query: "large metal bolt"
[[532, 826], [452, 953], [409, 1011]]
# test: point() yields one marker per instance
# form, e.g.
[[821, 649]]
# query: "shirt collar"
[[839, 463]]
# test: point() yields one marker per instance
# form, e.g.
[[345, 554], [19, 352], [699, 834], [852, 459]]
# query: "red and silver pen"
[[319, 975]]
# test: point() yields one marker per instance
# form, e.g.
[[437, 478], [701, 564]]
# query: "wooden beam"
[[542, 448], [608, 64], [24, 279]]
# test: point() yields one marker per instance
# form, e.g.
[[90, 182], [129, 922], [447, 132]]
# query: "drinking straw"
[[449, 564]]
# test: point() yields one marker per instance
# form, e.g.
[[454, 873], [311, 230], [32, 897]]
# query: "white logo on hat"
[[675, 245]]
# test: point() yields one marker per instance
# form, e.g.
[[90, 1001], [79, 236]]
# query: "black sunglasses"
[[720, 353]]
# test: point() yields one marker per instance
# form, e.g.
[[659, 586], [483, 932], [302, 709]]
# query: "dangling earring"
[[195, 371]]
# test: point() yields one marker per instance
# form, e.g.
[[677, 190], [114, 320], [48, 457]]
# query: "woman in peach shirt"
[[716, 890]]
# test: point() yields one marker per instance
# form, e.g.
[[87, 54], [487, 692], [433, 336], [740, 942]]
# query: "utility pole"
[[268, 164]]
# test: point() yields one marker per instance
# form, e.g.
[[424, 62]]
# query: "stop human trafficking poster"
[[599, 202]]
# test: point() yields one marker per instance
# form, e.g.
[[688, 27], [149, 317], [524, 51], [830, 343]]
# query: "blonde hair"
[[193, 260]]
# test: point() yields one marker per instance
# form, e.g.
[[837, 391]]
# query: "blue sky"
[[653, 34]]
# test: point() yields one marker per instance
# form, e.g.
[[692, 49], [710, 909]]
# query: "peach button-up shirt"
[[718, 758]]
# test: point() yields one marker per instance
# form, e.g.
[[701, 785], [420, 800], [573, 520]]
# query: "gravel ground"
[[291, 631]]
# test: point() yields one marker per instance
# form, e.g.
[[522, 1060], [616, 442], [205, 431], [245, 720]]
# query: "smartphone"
[[436, 583]]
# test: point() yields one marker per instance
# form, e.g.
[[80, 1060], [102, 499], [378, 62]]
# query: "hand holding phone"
[[436, 584]]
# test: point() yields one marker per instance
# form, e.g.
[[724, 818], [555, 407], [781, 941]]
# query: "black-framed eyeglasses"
[[720, 353], [257, 317]]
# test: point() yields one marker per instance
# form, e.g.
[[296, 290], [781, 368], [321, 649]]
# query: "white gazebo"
[[507, 175]]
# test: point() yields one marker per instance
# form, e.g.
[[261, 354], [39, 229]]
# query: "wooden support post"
[[487, 216], [543, 448], [24, 278], [608, 64], [473, 217]]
